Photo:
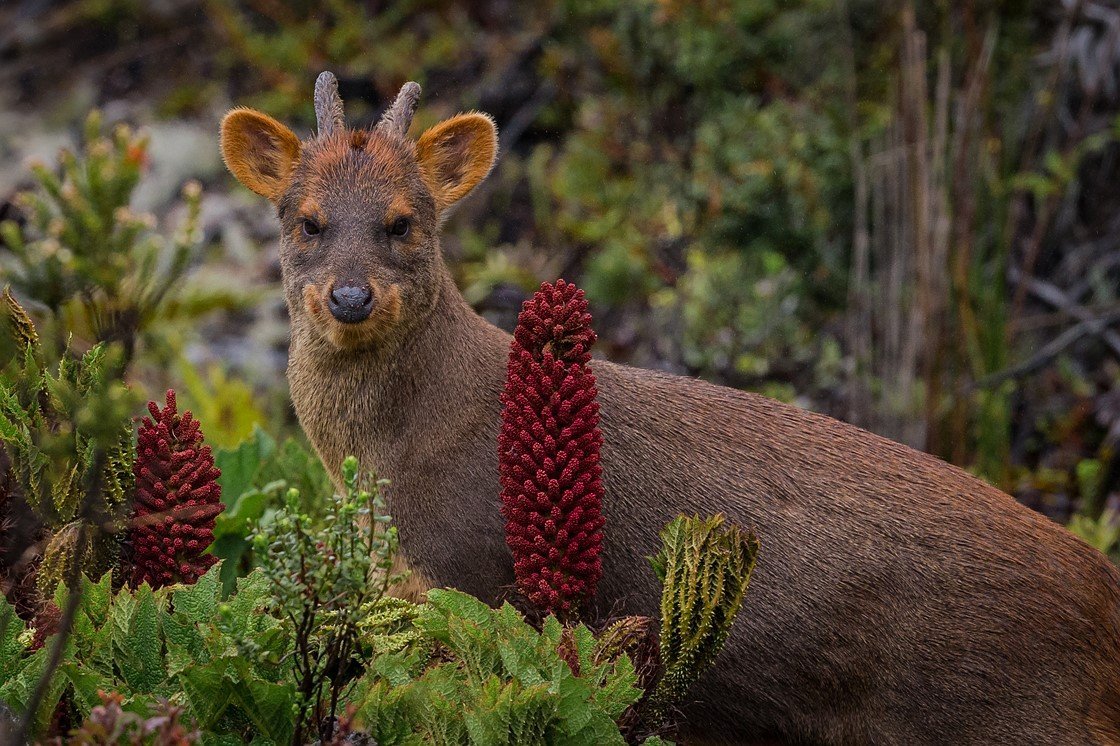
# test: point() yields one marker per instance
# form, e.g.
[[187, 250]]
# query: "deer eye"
[[310, 228], [400, 227]]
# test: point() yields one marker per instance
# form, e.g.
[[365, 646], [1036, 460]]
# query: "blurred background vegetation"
[[903, 214]]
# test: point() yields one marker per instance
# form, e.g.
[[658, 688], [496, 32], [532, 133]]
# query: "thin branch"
[[1092, 326], [1053, 296], [73, 599]]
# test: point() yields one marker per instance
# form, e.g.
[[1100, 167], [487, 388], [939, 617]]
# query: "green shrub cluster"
[[503, 682], [256, 476], [68, 442], [101, 271], [308, 646]]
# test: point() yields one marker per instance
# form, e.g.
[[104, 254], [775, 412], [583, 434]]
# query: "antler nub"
[[398, 118], [328, 105]]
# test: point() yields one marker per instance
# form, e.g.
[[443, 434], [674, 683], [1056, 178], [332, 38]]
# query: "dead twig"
[[73, 599], [1053, 296], [1090, 327]]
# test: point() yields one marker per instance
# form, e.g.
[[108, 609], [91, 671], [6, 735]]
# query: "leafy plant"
[[64, 427], [322, 579], [101, 271], [227, 405], [181, 643], [293, 647], [500, 681], [705, 566], [256, 476]]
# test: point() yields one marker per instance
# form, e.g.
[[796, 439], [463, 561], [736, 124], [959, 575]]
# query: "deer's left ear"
[[456, 155]]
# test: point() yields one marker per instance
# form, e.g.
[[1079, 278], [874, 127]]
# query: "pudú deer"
[[897, 599]]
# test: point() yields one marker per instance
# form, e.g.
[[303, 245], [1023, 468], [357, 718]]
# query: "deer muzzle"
[[350, 304]]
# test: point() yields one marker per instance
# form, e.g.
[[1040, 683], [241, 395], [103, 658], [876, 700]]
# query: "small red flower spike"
[[548, 452], [177, 499], [46, 622]]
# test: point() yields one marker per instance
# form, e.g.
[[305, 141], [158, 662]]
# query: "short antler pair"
[[330, 116]]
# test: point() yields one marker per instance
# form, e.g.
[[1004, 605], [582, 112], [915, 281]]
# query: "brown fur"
[[897, 599]]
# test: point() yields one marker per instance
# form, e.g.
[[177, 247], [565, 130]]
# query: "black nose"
[[350, 304]]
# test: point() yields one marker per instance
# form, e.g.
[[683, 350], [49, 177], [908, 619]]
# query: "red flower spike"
[[177, 499], [46, 622], [548, 452]]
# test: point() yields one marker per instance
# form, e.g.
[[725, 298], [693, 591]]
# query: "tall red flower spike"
[[177, 499], [548, 452]]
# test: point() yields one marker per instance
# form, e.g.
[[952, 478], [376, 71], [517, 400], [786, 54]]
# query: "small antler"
[[328, 104], [398, 118]]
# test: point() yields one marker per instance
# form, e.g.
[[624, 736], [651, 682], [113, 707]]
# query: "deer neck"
[[380, 404]]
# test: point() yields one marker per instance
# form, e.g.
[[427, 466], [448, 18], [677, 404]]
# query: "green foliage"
[[322, 580], [220, 661], [233, 665], [255, 478], [311, 634], [1102, 532], [739, 313], [227, 405], [501, 681], [67, 432], [705, 566], [102, 272], [679, 169], [52, 421], [281, 43]]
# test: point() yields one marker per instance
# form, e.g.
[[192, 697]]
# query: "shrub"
[[255, 478], [500, 681], [309, 639], [99, 270], [67, 436], [323, 581]]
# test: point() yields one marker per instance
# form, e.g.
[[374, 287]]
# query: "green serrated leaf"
[[96, 598], [143, 650], [269, 707], [199, 602], [620, 690], [253, 592], [207, 692], [86, 683], [444, 605], [11, 649], [185, 644]]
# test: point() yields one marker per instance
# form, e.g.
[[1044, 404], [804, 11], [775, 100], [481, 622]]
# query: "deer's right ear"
[[259, 151]]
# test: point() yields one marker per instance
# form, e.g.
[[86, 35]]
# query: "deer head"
[[360, 210]]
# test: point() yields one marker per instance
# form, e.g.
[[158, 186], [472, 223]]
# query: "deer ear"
[[259, 151], [456, 155]]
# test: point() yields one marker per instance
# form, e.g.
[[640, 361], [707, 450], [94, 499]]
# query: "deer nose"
[[351, 304]]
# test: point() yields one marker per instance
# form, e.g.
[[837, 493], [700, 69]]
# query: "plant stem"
[[73, 600]]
